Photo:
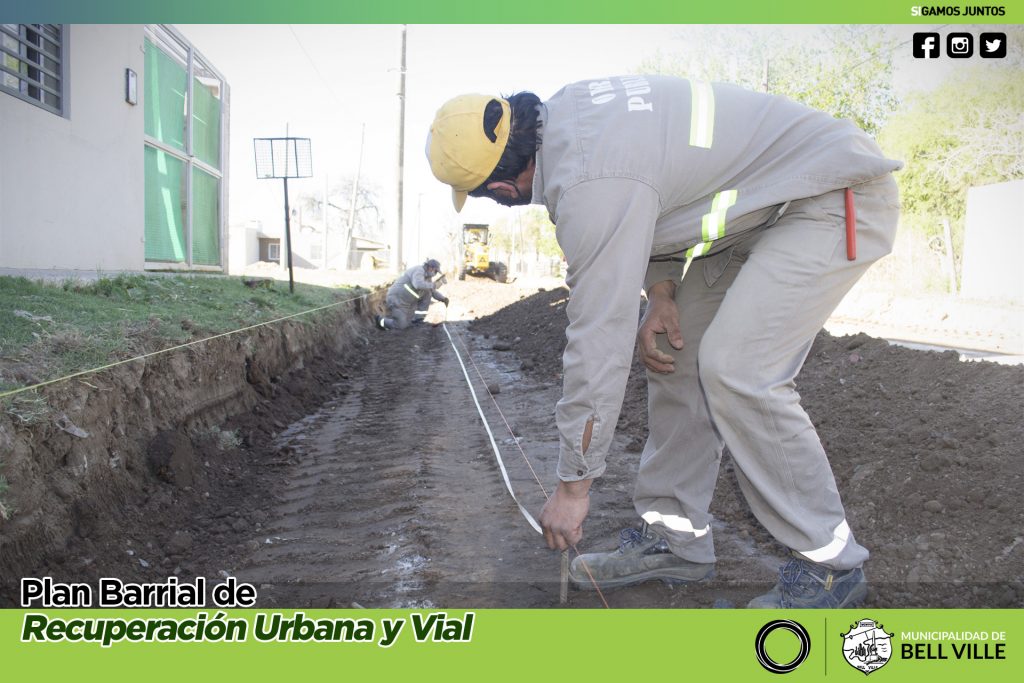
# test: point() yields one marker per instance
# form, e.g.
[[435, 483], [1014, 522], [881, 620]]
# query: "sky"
[[331, 82]]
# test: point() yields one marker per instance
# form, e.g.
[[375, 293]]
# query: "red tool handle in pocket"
[[851, 227]]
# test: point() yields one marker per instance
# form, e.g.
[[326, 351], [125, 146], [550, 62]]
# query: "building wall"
[[244, 245], [71, 188], [993, 242]]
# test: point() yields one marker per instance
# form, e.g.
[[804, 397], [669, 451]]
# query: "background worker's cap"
[[459, 150], [432, 263]]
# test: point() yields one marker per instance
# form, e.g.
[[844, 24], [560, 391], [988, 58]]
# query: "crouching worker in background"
[[409, 297]]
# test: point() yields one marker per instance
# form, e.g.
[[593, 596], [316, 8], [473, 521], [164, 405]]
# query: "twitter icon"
[[992, 45]]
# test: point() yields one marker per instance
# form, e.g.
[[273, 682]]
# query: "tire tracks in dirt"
[[394, 499]]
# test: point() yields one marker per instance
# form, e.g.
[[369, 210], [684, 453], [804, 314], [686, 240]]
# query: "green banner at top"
[[520, 12]]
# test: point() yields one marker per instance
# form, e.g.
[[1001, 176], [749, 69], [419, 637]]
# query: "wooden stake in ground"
[[563, 589]]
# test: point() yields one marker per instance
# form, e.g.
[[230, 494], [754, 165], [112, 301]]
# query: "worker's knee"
[[723, 368]]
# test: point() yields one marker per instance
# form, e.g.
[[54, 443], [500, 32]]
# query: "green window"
[[183, 102], [165, 207], [206, 118], [166, 93], [205, 218]]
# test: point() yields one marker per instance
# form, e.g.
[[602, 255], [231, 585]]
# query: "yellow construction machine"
[[476, 254]]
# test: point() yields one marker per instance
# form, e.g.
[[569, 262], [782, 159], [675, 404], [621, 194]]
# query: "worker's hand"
[[445, 302], [563, 514], [661, 317]]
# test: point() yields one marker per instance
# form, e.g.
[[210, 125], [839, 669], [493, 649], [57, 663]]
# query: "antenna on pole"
[[284, 158]]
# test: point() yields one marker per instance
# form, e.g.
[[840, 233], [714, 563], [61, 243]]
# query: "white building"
[[993, 240], [113, 150]]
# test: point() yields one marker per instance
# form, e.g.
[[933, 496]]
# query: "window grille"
[[33, 65]]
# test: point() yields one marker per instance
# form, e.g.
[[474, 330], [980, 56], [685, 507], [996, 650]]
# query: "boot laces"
[[631, 537], [796, 578]]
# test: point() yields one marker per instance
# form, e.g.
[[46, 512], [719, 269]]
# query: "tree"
[[843, 70], [967, 132], [532, 233], [365, 218]]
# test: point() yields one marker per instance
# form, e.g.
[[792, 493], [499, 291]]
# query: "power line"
[[316, 70]]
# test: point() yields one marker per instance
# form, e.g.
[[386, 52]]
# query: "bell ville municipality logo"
[[866, 646]]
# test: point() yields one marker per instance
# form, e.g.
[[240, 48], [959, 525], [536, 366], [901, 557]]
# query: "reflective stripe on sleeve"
[[674, 522], [712, 224], [840, 537], [702, 114], [411, 291], [698, 250]]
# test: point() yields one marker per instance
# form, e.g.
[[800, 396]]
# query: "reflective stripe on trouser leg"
[[840, 537], [675, 523], [793, 276]]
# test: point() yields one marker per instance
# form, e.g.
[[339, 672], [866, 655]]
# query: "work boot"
[[806, 585], [378, 322], [642, 555]]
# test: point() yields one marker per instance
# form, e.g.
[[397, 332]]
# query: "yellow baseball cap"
[[460, 153]]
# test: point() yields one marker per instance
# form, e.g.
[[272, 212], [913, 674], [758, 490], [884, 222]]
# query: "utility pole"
[[400, 259]]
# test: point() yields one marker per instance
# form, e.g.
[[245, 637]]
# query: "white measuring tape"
[[497, 453]]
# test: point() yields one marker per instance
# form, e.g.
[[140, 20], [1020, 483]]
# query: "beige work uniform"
[[638, 170], [409, 297]]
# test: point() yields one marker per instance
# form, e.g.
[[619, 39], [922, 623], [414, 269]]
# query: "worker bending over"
[[641, 174]]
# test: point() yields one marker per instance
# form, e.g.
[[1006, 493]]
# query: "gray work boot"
[[642, 555], [806, 585]]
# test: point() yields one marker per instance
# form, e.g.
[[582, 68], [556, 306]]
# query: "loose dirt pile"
[[926, 450]]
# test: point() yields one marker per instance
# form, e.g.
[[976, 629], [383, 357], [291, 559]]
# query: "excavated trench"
[[128, 471]]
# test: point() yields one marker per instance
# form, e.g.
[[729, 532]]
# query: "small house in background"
[[368, 254], [257, 243], [114, 150]]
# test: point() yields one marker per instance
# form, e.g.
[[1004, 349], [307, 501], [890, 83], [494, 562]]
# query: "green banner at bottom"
[[734, 645]]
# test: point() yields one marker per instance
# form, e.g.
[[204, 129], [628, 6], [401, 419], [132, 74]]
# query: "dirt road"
[[394, 501], [390, 495]]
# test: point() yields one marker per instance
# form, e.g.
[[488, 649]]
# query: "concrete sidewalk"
[[969, 325]]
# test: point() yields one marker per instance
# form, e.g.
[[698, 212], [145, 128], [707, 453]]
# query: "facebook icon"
[[926, 45]]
